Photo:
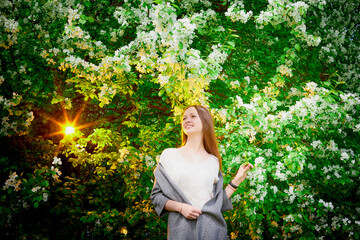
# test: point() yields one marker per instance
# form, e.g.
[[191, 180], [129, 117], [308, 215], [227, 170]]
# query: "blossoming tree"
[[280, 77]]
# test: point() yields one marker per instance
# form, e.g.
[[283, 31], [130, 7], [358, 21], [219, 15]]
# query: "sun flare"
[[69, 130]]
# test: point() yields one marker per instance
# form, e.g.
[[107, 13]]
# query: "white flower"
[[73, 15], [344, 156], [27, 82], [240, 102], [10, 25], [221, 113], [25, 205], [45, 197], [285, 70], [236, 14], [311, 167], [288, 148], [235, 84], [98, 223], [163, 79], [357, 128], [247, 78], [268, 152], [281, 176], [35, 189], [236, 198], [315, 144], [311, 87], [12, 182], [149, 161], [259, 160], [274, 188], [289, 218], [123, 153], [327, 204], [56, 161], [332, 146]]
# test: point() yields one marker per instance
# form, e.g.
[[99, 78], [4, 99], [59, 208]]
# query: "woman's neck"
[[195, 144]]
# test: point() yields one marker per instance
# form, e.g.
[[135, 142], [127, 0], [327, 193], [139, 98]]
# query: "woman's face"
[[191, 121]]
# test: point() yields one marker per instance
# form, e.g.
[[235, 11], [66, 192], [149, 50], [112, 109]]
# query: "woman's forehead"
[[190, 110]]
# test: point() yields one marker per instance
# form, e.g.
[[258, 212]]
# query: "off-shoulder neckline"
[[206, 159]]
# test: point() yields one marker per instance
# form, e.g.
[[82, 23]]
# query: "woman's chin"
[[191, 132]]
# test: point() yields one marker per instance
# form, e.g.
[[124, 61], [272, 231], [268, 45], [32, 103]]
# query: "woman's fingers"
[[195, 215], [197, 211], [191, 212], [247, 166]]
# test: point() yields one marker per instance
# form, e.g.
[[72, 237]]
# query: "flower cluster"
[[285, 70], [11, 28], [236, 12], [13, 182], [123, 153], [45, 195], [106, 94], [291, 13], [56, 172], [73, 14], [328, 205], [18, 117], [149, 161], [337, 45]]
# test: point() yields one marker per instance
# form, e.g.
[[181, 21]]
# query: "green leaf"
[[82, 21], [90, 19], [46, 183], [327, 83], [18, 112]]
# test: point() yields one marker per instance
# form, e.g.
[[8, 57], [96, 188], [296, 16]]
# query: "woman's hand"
[[190, 212], [239, 178], [242, 173]]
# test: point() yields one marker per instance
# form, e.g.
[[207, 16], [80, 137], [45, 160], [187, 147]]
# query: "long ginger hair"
[[209, 138]]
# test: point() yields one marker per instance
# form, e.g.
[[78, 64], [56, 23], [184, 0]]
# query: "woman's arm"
[[158, 199], [239, 178], [162, 204], [229, 191], [186, 210]]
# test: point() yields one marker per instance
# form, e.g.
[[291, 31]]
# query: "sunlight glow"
[[66, 125], [69, 130]]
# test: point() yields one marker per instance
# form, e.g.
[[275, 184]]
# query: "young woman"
[[189, 182]]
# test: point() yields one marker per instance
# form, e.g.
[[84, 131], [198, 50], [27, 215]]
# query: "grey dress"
[[209, 225]]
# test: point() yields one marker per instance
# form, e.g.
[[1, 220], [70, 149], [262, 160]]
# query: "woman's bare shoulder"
[[166, 153], [168, 150]]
